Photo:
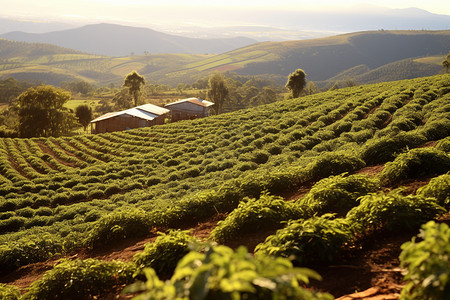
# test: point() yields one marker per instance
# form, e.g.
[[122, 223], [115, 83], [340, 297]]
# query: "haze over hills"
[[365, 57], [119, 40], [259, 24]]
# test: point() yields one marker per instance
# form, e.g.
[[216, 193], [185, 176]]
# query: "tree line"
[[39, 110]]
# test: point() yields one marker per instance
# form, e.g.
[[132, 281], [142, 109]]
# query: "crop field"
[[63, 196], [87, 67]]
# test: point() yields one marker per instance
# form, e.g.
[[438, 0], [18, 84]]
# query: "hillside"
[[385, 55], [102, 39], [53, 64], [93, 196], [326, 57], [14, 49], [404, 69]]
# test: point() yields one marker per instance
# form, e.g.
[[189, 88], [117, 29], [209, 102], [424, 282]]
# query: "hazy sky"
[[166, 11]]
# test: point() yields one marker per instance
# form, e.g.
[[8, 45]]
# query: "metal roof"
[[156, 110], [196, 101], [146, 112]]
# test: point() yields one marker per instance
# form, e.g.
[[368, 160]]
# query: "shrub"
[[444, 145], [387, 148], [260, 157], [436, 130], [439, 188], [415, 164], [338, 194], [80, 279], [315, 240], [12, 224], [254, 215], [111, 190], [118, 226], [221, 273], [333, 163], [392, 212], [31, 249], [9, 292], [427, 263], [153, 180], [164, 253]]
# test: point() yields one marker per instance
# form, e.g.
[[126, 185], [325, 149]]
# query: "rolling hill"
[[54, 64], [87, 198], [366, 57], [119, 40], [326, 57]]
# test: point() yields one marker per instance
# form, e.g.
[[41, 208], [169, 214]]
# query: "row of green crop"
[[306, 241], [190, 170]]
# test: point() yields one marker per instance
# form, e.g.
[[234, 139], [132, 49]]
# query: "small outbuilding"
[[190, 108], [141, 116]]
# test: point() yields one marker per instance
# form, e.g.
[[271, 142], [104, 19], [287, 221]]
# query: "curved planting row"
[[189, 170]]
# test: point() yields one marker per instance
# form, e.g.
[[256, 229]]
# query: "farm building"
[[141, 116], [190, 108]]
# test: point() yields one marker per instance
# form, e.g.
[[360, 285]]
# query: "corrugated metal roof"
[[156, 110], [146, 112], [196, 101]]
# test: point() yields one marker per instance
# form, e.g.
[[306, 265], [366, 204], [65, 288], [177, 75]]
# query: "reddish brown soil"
[[16, 166], [50, 152], [368, 270], [371, 170], [372, 263]]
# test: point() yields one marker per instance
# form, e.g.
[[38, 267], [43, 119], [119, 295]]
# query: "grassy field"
[[310, 160]]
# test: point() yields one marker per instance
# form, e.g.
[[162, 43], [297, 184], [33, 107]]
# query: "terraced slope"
[[63, 195]]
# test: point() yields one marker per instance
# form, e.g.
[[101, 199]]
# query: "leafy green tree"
[[446, 62], [311, 88], [217, 91], [133, 82], [80, 86], [296, 82], [84, 115], [122, 100], [10, 88], [41, 112]]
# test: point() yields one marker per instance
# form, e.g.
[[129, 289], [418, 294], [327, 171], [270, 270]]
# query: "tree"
[[311, 88], [84, 115], [133, 82], [446, 63], [217, 91], [296, 82], [41, 112], [122, 100]]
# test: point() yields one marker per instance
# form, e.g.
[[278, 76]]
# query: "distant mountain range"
[[261, 25], [119, 40]]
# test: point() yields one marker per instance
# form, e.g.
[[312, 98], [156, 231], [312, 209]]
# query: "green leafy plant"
[[221, 273], [439, 188], [388, 147], [416, 163], [314, 240], [392, 212], [333, 164], [80, 279], [118, 226], [9, 292], [338, 194], [253, 215], [164, 253], [427, 263]]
